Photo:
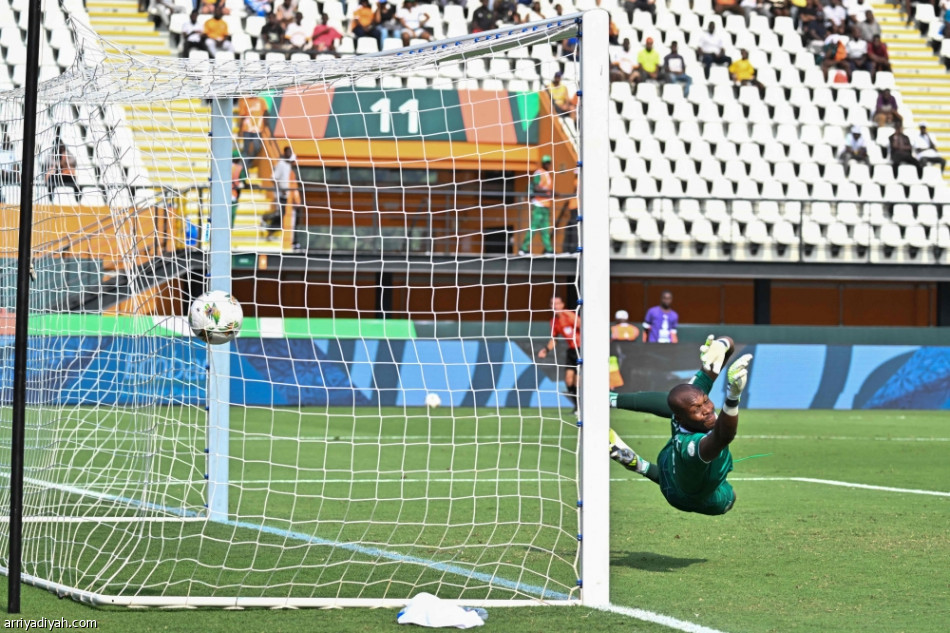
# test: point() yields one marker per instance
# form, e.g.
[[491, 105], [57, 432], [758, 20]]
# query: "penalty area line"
[[846, 484], [658, 618], [825, 482]]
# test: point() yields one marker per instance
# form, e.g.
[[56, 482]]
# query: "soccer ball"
[[216, 317], [433, 400]]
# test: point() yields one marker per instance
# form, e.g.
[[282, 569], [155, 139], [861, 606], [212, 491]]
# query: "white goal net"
[[383, 425]]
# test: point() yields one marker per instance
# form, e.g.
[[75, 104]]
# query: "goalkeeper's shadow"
[[651, 561]]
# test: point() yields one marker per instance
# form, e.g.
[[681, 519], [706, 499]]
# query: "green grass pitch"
[[801, 551]]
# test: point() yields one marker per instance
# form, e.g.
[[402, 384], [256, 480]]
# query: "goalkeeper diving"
[[692, 468]]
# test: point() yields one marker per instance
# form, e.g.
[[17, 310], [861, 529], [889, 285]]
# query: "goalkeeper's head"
[[692, 409]]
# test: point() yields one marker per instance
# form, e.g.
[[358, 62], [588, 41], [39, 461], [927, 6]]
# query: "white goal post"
[[303, 465]]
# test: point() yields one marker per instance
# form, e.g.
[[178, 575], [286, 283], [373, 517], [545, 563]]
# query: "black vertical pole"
[[21, 331], [384, 295], [943, 303], [762, 302]]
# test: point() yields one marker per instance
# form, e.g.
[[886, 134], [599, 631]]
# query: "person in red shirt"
[[878, 56], [567, 325], [325, 36]]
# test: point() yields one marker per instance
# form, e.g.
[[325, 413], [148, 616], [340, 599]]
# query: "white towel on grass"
[[425, 609]]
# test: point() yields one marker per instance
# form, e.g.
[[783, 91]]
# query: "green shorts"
[[719, 501]]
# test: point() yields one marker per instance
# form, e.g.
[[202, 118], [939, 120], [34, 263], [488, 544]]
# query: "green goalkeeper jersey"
[[685, 472]]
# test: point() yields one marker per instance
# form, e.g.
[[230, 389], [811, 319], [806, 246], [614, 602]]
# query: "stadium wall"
[[807, 376], [130, 371]]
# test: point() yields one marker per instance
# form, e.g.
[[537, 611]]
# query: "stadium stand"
[[727, 171]]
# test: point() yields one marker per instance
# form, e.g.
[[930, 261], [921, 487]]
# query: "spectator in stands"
[[775, 8], [623, 63], [760, 7], [364, 21], [837, 15], [162, 12], [869, 27], [483, 19], [413, 20], [834, 54], [727, 6], [283, 185], [210, 6], [878, 56], [569, 48], [659, 324], [541, 194], [712, 48], [260, 8], [885, 110], [558, 10], [901, 151], [192, 36], [857, 51], [794, 11], [857, 11], [613, 31], [272, 33], [813, 22], [324, 36], [855, 147], [238, 182], [639, 5], [926, 149], [251, 113], [9, 168], [60, 169], [561, 99], [297, 35], [674, 69], [743, 72], [386, 21], [648, 63], [217, 36], [286, 12], [534, 13], [504, 11]]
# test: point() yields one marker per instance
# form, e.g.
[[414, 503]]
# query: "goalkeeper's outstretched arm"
[[713, 353], [727, 423]]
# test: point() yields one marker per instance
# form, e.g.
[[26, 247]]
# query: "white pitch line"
[[87, 488], [530, 480], [483, 438], [845, 484], [659, 618], [492, 438], [65, 519]]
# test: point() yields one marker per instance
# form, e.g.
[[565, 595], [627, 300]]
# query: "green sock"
[[645, 402]]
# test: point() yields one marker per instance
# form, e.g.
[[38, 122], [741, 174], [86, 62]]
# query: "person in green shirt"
[[691, 469], [648, 60]]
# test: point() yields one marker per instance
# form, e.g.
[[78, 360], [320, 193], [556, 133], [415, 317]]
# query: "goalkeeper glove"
[[624, 456], [712, 354], [737, 377]]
